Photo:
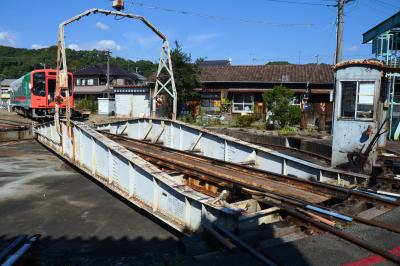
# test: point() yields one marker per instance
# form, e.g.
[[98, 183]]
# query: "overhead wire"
[[301, 3], [387, 4], [235, 19]]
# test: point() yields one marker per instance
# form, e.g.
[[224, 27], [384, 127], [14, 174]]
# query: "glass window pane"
[[39, 84], [238, 98], [237, 107], [248, 98], [367, 88], [365, 111], [248, 107], [366, 99], [349, 92]]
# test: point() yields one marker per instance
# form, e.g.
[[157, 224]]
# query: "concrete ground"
[[14, 118], [80, 222]]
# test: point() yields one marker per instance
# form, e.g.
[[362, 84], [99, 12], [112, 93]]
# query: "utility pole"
[[339, 32], [108, 74]]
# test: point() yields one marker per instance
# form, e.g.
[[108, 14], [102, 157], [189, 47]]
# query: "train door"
[[51, 90]]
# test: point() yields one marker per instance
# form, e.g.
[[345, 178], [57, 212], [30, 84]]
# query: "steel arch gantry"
[[164, 63]]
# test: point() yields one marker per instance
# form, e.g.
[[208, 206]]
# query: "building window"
[[357, 99], [243, 103], [90, 82], [211, 102], [78, 82]]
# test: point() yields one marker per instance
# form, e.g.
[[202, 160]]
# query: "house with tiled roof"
[[92, 80], [244, 85]]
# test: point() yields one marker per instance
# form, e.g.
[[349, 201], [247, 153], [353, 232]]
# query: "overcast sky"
[[248, 32]]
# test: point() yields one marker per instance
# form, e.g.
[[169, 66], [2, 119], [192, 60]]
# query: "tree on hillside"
[[15, 62], [185, 74], [277, 63], [278, 102]]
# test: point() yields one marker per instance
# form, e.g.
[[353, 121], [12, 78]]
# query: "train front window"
[[39, 84]]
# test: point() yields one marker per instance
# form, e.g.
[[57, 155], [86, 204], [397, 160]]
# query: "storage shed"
[[106, 106], [132, 101]]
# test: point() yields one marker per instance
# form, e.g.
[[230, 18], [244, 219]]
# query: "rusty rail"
[[246, 172]]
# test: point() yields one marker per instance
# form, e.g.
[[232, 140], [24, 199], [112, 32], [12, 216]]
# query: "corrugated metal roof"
[[384, 26]]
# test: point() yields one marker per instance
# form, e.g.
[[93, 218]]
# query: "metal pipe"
[[7, 250], [245, 246], [224, 241], [14, 258], [329, 213]]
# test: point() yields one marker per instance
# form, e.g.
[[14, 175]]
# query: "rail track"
[[219, 173], [311, 203]]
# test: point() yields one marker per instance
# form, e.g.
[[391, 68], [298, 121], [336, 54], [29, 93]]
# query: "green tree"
[[15, 62], [278, 63], [186, 75], [278, 102]]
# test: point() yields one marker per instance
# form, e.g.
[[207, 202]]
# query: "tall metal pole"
[[108, 74], [339, 33]]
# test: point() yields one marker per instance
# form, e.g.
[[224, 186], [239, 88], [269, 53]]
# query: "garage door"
[[123, 104], [141, 105]]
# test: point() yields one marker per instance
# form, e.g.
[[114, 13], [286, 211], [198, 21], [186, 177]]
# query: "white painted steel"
[[186, 137], [133, 178]]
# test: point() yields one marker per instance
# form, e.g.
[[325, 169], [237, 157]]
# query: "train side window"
[[39, 84]]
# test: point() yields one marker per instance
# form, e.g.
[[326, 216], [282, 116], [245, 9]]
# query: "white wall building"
[[132, 101]]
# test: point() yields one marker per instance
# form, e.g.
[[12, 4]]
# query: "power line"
[[388, 4], [300, 3], [241, 20]]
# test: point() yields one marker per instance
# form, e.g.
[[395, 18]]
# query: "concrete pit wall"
[[289, 142], [15, 134]]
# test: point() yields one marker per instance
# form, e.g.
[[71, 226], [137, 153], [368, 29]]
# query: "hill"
[[15, 62]]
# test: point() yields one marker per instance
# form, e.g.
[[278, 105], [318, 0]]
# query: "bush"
[[225, 105], [285, 131], [278, 102], [89, 102], [244, 121], [294, 115]]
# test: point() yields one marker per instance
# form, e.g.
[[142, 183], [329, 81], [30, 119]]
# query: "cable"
[[388, 4], [301, 3], [243, 20]]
